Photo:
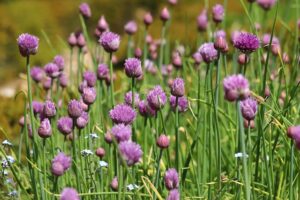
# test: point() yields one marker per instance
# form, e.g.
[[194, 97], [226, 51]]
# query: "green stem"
[[244, 156], [133, 106], [129, 46], [291, 189], [161, 50], [157, 171], [177, 137], [111, 80], [71, 67]]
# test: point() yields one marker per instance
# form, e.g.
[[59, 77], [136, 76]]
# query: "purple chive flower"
[[220, 33], [197, 58], [63, 80], [84, 106], [266, 40], [218, 13], [163, 141], [81, 40], [172, 2], [102, 71], [28, 44], [44, 129], [37, 107], [246, 42], [85, 10], [110, 41], [122, 113], [266, 4], [293, 131], [138, 52], [249, 108], [145, 110], [208, 52], [173, 195], [202, 20], [37, 74], [89, 95], [182, 103], [130, 27], [82, 85], [176, 60], [51, 70], [165, 14], [47, 83], [156, 98], [130, 152], [220, 43], [121, 132], [148, 19], [102, 24], [65, 125], [82, 120], [236, 87], [60, 62], [133, 67], [100, 152], [49, 109], [114, 184], [74, 108], [90, 78], [72, 40], [60, 164], [128, 98], [171, 179], [177, 88], [69, 194]]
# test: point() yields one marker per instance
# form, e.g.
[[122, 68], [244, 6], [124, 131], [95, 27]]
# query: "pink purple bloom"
[[131, 27], [60, 164], [173, 195], [74, 108], [121, 132], [236, 87], [102, 71], [165, 14], [266, 40], [69, 194], [81, 40], [197, 58], [177, 88], [138, 52], [49, 109], [47, 81], [65, 125], [44, 129], [90, 78], [293, 132], [85, 10], [100, 152], [249, 108], [102, 24], [82, 120], [156, 98], [114, 184], [110, 41], [130, 152], [246, 42], [266, 4], [182, 103], [128, 98], [72, 40], [37, 107], [122, 113], [63, 80], [202, 20], [37, 74], [145, 109], [52, 70], [176, 60], [60, 62], [220, 43], [89, 95], [148, 19], [171, 179], [28, 44], [133, 67], [208, 52], [218, 13], [163, 141]]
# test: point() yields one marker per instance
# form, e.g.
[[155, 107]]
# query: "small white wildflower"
[[86, 152], [10, 159], [131, 187], [13, 193], [4, 172], [103, 163], [240, 155], [9, 181], [92, 136], [6, 143]]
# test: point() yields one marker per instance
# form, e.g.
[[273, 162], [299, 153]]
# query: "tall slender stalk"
[[161, 50], [177, 137], [111, 80], [244, 155]]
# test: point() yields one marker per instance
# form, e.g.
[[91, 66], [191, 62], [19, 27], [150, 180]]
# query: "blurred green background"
[[55, 19]]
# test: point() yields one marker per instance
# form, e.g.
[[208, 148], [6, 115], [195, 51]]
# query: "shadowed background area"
[[53, 20]]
